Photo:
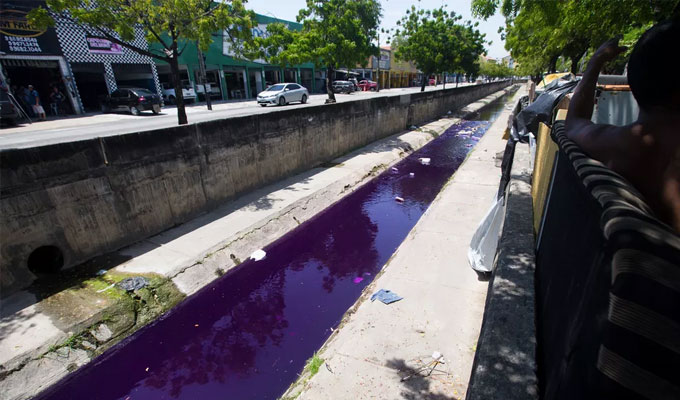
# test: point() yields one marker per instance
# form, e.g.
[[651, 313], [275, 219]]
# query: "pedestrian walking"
[[34, 100]]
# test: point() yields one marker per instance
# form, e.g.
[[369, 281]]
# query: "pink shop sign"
[[103, 46]]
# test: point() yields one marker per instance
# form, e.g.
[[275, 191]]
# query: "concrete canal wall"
[[63, 204]]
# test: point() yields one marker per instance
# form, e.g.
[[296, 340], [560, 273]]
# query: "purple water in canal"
[[248, 335]]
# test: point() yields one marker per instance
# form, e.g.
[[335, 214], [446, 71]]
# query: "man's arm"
[[595, 139]]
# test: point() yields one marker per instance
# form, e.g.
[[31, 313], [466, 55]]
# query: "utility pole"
[[379, 57], [201, 66]]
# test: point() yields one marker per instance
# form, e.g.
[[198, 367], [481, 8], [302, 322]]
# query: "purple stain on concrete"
[[226, 341], [358, 279]]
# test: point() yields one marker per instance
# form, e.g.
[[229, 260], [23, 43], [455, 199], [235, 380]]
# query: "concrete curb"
[[505, 361]]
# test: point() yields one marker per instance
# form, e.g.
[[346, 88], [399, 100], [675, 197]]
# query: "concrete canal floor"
[[379, 345], [42, 340]]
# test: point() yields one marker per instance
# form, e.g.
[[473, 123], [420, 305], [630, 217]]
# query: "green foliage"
[[538, 32], [334, 33], [494, 70], [436, 42], [313, 365]]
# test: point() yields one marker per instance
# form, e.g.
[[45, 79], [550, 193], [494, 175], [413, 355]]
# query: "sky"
[[393, 10]]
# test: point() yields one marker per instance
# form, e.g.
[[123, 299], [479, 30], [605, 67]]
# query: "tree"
[[435, 42], [334, 33], [569, 28], [491, 69], [171, 23]]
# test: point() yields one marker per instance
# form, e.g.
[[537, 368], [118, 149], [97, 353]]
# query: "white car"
[[169, 92], [282, 94]]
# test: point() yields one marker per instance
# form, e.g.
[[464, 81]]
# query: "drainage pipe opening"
[[45, 260]]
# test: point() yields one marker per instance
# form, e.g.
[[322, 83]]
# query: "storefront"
[[100, 66], [67, 60], [307, 78], [235, 82], [31, 56], [234, 78]]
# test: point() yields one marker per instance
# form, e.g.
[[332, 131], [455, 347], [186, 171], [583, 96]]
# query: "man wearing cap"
[[34, 100]]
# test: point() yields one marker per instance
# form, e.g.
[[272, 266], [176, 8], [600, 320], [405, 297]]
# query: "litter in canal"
[[226, 341]]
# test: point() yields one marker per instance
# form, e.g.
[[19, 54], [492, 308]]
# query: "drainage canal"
[[248, 335]]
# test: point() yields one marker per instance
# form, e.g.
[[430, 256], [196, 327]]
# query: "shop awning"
[[13, 62]]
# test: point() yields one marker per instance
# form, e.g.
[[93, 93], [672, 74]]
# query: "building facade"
[[231, 78], [81, 67]]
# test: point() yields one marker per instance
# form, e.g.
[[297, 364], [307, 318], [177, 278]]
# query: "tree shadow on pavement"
[[416, 385]]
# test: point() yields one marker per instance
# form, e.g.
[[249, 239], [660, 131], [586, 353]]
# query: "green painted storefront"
[[232, 78]]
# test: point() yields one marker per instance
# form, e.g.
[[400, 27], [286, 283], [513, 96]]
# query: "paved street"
[[100, 125]]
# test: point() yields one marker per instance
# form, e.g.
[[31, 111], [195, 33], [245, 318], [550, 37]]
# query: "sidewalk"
[[378, 344], [92, 125]]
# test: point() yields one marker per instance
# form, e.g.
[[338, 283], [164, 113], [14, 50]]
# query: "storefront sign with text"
[[18, 36], [103, 46]]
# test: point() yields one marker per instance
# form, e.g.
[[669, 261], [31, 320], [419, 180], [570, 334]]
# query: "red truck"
[[367, 85]]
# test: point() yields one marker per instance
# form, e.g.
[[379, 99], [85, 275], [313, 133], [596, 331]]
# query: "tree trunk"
[[553, 64], [177, 84], [574, 62], [201, 67], [426, 79], [329, 86]]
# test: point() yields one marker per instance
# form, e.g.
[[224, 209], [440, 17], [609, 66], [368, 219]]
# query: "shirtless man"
[[646, 152]]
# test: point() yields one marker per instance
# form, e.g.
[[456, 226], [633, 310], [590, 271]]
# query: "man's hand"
[[609, 50]]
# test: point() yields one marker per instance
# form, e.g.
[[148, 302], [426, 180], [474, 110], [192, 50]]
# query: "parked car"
[[213, 89], [9, 114], [432, 82], [282, 94], [368, 85], [134, 100], [343, 87], [355, 83], [169, 96]]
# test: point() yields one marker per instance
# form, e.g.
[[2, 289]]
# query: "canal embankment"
[[185, 258], [386, 351], [65, 203]]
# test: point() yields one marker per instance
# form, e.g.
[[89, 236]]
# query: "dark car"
[[343, 87], [9, 113], [134, 100]]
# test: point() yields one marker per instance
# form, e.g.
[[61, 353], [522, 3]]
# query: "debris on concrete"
[[106, 288], [412, 175], [102, 333], [258, 255], [399, 199], [437, 358], [386, 296], [133, 283], [101, 272], [413, 127], [425, 161], [87, 345], [394, 169]]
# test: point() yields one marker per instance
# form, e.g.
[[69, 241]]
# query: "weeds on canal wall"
[[126, 311], [311, 368]]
